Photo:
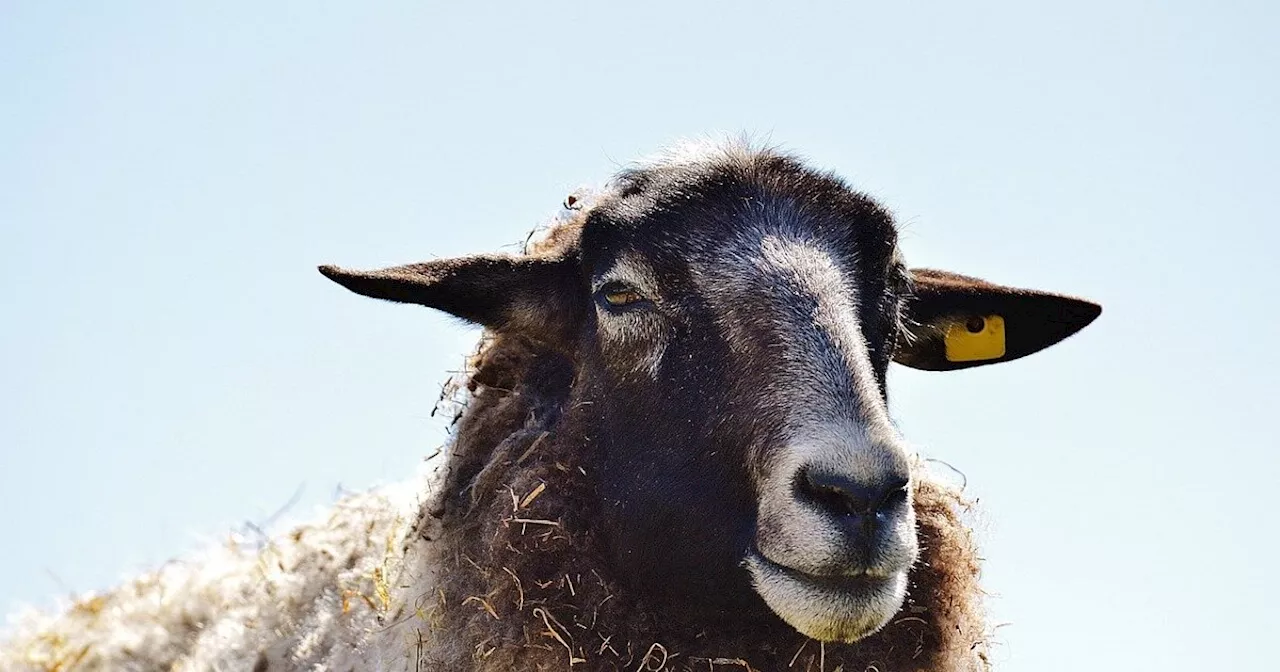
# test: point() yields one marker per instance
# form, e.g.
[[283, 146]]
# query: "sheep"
[[673, 452]]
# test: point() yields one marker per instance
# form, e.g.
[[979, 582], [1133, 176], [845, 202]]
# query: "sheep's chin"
[[843, 609]]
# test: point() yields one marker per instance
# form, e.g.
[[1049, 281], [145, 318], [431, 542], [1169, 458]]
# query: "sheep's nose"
[[841, 495]]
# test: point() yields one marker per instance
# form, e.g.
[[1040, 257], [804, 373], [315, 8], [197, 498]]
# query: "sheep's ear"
[[539, 296], [955, 321]]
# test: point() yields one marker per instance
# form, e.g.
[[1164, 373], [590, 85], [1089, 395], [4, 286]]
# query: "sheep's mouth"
[[853, 580], [833, 608]]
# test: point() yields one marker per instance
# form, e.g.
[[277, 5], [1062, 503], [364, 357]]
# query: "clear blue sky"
[[171, 365]]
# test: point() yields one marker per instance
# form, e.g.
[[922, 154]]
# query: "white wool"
[[314, 598]]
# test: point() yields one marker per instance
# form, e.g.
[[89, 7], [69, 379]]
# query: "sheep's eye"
[[618, 295]]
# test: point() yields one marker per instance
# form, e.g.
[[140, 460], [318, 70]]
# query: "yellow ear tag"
[[976, 339]]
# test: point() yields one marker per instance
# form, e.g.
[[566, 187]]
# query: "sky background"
[[172, 366]]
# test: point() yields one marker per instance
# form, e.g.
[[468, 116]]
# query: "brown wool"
[[525, 587]]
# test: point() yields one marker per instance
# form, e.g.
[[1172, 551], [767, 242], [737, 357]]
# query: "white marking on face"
[[788, 303], [776, 270], [815, 275]]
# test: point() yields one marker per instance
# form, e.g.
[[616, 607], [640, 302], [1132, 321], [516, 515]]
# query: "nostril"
[[895, 493], [836, 493], [843, 495]]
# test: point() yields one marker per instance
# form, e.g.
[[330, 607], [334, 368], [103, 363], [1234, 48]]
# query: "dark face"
[[731, 318], [735, 356]]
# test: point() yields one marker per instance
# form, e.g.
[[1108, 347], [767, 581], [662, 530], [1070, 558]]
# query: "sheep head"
[[730, 319]]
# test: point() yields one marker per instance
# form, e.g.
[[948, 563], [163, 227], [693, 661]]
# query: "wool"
[[487, 561], [527, 589], [304, 598]]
